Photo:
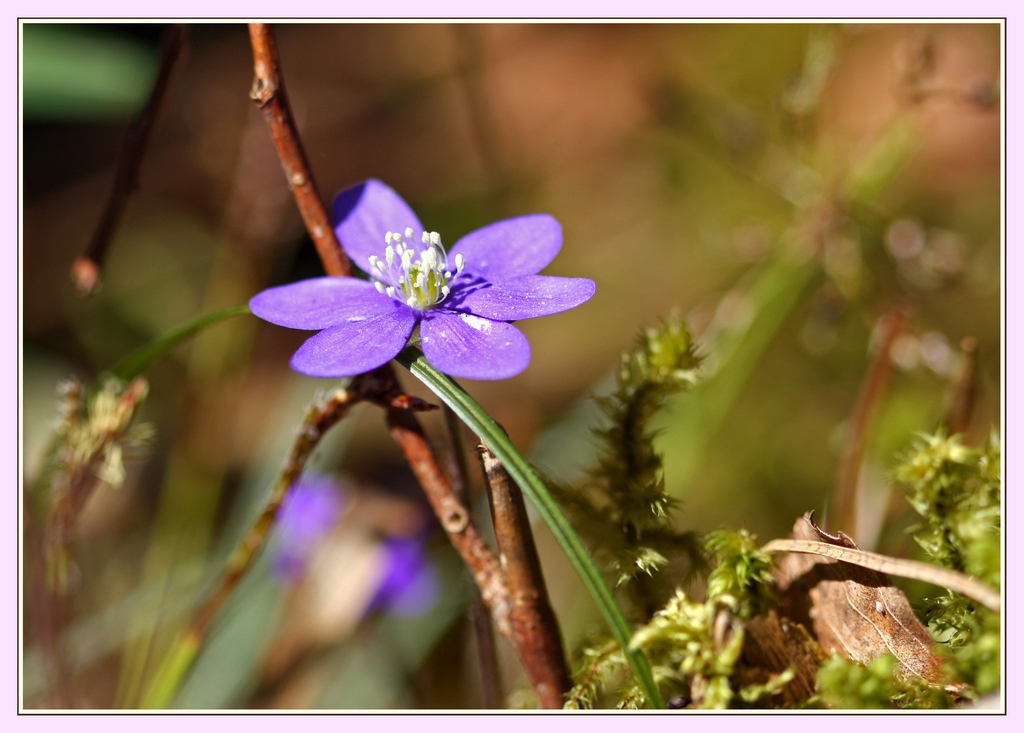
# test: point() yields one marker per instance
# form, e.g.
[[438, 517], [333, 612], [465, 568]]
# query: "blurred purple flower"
[[410, 586], [462, 301], [308, 513]]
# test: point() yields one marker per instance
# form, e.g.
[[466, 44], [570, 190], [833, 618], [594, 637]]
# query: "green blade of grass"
[[470, 412], [140, 359]]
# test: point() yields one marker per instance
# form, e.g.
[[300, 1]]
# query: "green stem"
[[139, 360], [470, 412]]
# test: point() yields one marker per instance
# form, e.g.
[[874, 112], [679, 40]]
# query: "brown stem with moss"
[[88, 436], [85, 272], [538, 641]]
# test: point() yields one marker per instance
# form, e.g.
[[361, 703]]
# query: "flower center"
[[419, 277]]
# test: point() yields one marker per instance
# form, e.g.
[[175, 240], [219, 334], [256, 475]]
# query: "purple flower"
[[410, 586], [308, 514], [463, 301]]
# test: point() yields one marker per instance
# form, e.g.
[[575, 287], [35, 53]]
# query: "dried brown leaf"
[[854, 610]]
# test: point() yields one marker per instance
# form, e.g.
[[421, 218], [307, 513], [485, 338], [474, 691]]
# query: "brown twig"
[[269, 94], [537, 639], [85, 272], [843, 512]]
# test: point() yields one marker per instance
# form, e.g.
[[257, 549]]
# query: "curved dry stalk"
[[942, 577]]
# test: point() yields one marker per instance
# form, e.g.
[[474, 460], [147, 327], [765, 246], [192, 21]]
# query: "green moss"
[[849, 685], [956, 490], [621, 506], [742, 571]]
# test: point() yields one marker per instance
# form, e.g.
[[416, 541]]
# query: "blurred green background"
[[780, 186]]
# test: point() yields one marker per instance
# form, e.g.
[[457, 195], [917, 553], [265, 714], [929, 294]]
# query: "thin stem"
[[460, 470], [487, 654], [269, 94], [843, 514], [479, 620], [539, 642], [963, 388], [85, 272]]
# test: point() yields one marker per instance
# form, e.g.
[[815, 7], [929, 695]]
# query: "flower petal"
[[322, 302], [353, 348], [511, 248], [465, 345], [363, 214], [530, 296]]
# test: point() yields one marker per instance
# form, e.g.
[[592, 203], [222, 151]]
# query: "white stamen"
[[423, 275]]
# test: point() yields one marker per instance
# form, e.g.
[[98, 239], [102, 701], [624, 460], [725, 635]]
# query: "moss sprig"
[[848, 685], [742, 571], [957, 491], [621, 505]]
